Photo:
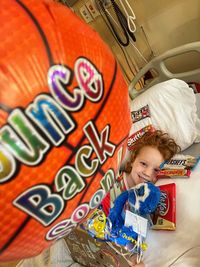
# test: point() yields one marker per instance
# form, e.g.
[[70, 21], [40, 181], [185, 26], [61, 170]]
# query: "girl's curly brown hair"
[[166, 146]]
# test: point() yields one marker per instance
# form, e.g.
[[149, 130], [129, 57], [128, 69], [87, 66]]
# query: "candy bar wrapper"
[[164, 218], [140, 114], [132, 140], [174, 173], [180, 161]]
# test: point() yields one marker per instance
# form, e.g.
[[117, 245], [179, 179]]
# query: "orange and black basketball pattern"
[[64, 117]]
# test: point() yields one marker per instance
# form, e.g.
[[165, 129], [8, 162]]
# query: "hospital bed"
[[158, 66], [179, 248]]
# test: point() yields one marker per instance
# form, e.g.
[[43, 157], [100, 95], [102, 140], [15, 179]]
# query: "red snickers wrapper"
[[164, 217]]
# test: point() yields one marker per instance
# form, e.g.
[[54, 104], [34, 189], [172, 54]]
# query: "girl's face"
[[145, 166]]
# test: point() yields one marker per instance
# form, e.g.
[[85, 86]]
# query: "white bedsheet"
[[180, 248], [165, 247]]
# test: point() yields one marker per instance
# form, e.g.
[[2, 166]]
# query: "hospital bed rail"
[[158, 65]]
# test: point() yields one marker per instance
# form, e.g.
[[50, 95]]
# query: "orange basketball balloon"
[[64, 117]]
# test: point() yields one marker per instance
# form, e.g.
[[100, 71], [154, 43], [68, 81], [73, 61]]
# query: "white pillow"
[[173, 110]]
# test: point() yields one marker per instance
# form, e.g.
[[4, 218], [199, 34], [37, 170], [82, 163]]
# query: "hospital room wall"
[[161, 25]]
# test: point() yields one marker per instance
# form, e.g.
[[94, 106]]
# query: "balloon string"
[[139, 240]]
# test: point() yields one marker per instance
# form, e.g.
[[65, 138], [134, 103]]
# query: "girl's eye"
[[143, 163]]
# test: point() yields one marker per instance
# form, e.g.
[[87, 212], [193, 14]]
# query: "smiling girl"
[[145, 161], [151, 150]]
